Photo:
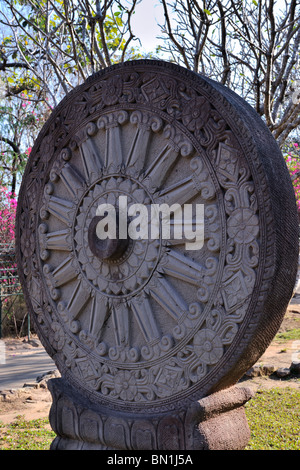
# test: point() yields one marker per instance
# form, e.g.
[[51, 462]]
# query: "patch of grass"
[[26, 435], [288, 335], [274, 419]]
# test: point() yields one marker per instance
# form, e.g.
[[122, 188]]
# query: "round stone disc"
[[153, 322]]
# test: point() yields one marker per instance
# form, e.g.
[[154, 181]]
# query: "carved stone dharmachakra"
[[150, 338]]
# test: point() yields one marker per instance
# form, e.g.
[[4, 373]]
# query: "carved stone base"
[[216, 422]]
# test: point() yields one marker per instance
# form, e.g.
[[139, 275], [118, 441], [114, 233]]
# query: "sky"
[[144, 23]]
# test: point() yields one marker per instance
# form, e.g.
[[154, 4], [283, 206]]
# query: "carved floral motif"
[[112, 90], [125, 385], [208, 346], [27, 243], [243, 225], [195, 113]]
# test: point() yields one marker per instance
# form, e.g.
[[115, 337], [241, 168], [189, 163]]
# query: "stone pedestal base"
[[216, 422]]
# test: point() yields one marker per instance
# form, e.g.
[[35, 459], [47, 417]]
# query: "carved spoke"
[[114, 148], [60, 240], [63, 274], [180, 192], [120, 316], [138, 151], [61, 208], [146, 125], [91, 159], [182, 267], [145, 318], [72, 179], [168, 298], [114, 153], [158, 170], [78, 300], [98, 315]]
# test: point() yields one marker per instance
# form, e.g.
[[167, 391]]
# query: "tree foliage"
[[8, 205], [20, 120], [47, 48], [55, 45], [251, 46], [291, 153]]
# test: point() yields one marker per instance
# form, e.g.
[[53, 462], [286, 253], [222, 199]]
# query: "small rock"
[[254, 371], [295, 367], [283, 372], [267, 369], [31, 385]]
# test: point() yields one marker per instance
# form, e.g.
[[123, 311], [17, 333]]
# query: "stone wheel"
[[147, 326]]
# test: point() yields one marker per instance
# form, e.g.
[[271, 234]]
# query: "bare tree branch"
[[172, 37], [12, 144], [253, 47]]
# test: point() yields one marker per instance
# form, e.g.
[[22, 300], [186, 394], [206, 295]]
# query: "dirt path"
[[27, 360], [30, 403], [35, 403]]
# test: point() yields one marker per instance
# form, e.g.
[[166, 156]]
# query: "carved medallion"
[[145, 325]]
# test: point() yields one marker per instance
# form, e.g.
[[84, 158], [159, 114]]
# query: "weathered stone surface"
[[223, 424], [82, 425], [148, 328]]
